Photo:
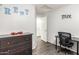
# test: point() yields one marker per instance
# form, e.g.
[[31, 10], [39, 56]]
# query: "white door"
[[42, 28]]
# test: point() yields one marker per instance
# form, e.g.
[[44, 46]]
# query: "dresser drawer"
[[4, 51], [15, 49], [5, 42], [18, 49]]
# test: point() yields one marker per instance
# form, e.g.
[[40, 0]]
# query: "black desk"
[[75, 40]]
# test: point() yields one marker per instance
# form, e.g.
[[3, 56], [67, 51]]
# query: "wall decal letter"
[[66, 16], [7, 11], [26, 11], [21, 13], [15, 9]]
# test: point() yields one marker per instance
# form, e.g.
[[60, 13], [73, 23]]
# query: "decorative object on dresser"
[[16, 44]]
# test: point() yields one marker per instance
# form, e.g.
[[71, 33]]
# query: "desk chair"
[[65, 40]]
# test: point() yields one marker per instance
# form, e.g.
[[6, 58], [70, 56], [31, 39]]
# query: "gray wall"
[[56, 23]]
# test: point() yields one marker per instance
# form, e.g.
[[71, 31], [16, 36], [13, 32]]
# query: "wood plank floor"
[[45, 48]]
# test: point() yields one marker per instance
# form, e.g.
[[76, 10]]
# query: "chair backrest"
[[64, 37]]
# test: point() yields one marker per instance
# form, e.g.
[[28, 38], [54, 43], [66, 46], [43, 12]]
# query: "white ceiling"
[[44, 8]]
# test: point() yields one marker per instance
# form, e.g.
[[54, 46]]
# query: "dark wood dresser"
[[16, 44]]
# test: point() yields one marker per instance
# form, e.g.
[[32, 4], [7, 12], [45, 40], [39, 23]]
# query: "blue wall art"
[[10, 11]]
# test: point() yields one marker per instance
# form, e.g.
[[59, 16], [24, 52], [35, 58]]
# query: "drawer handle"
[[8, 43]]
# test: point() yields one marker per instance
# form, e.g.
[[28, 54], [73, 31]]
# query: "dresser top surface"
[[9, 35]]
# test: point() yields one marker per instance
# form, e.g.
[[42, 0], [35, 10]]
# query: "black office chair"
[[65, 40]]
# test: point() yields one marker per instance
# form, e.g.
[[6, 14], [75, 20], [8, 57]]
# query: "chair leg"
[[65, 51], [59, 49]]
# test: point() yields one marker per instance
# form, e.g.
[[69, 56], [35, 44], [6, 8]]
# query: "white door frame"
[[45, 29]]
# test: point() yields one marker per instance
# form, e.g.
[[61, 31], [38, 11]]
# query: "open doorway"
[[42, 27]]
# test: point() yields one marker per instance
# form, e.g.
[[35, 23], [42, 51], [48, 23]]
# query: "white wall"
[[15, 22], [56, 23]]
